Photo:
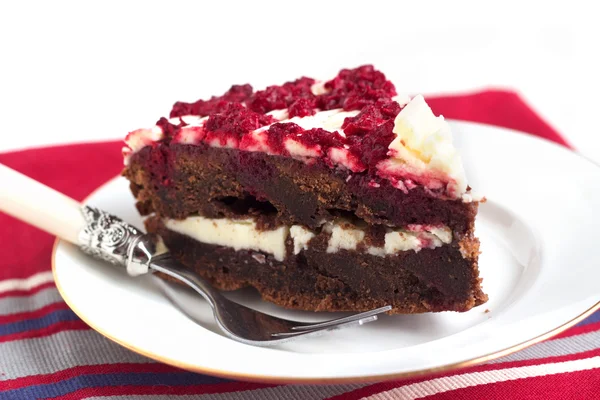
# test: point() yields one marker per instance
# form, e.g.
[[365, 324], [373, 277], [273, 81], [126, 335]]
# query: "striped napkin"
[[46, 351]]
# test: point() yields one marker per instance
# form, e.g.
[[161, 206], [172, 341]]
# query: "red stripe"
[[87, 370], [383, 386], [579, 330], [28, 249], [568, 385], [27, 292], [49, 330], [5, 319], [366, 391], [497, 107], [162, 389]]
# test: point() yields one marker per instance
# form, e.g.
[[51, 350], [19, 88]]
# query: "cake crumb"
[[486, 311]]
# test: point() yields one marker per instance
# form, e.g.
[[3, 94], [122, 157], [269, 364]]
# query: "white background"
[[81, 71]]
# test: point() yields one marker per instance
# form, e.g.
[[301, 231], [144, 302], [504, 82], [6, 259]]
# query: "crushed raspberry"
[[280, 97], [233, 122], [236, 94], [302, 107], [311, 138], [278, 132], [370, 117], [353, 89], [321, 137], [423, 227], [372, 147], [169, 130], [240, 111], [233, 118]]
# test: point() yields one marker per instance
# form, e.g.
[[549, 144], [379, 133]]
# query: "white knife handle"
[[39, 205]]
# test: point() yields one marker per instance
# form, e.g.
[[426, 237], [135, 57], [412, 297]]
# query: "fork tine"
[[325, 328], [338, 321], [250, 326]]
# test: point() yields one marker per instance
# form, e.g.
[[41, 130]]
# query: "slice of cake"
[[325, 196]]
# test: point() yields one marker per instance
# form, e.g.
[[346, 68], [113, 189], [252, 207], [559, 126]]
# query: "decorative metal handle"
[[109, 238]]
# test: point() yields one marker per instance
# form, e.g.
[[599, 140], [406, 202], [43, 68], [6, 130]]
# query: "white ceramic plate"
[[539, 235]]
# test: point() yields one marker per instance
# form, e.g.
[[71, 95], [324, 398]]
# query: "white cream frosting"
[[143, 137], [343, 157], [242, 234], [423, 144], [318, 88], [330, 120], [402, 99], [189, 135], [191, 120], [297, 149]]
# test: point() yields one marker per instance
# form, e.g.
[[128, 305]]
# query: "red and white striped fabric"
[[47, 352]]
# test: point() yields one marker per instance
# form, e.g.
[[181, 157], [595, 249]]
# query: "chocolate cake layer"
[[440, 279], [179, 180]]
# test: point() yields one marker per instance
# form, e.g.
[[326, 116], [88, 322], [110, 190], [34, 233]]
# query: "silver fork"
[[249, 326], [107, 237]]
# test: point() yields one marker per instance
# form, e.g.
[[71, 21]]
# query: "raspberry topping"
[[371, 131], [314, 140], [360, 143], [302, 107], [321, 137], [371, 117], [236, 94], [351, 89], [279, 97], [355, 88], [372, 147], [240, 111], [169, 129], [278, 132], [233, 122]]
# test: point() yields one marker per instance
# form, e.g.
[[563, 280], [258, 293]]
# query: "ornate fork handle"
[[109, 238]]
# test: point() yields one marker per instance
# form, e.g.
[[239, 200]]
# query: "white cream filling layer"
[[242, 234], [348, 238]]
